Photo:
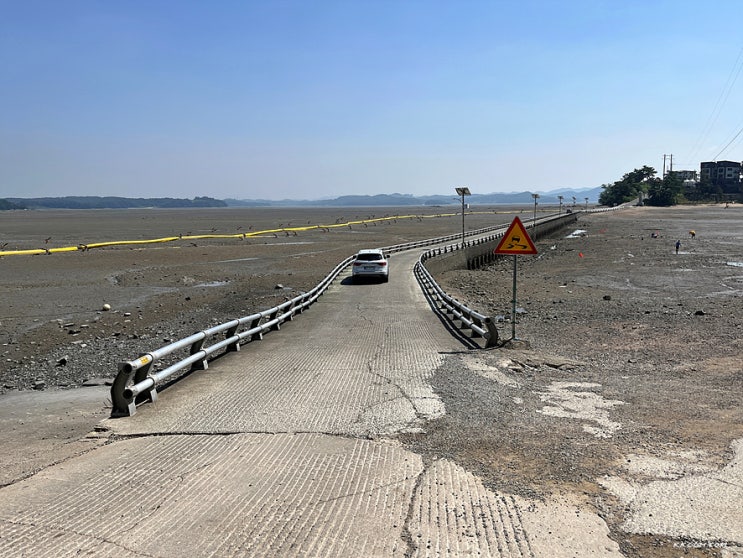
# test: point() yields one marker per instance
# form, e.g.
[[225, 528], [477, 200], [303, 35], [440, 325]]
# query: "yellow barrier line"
[[23, 252], [252, 234], [126, 242], [63, 249]]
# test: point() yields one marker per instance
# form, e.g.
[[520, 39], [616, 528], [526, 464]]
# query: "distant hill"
[[96, 202], [379, 200], [5, 205], [402, 200]]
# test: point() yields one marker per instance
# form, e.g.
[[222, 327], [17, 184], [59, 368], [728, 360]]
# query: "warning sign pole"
[[513, 308], [515, 242]]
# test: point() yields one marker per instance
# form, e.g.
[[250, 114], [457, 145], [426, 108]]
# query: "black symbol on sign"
[[515, 240]]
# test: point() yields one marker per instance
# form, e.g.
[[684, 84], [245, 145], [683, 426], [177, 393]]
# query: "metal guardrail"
[[137, 381], [480, 325]]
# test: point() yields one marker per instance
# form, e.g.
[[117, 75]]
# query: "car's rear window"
[[368, 257]]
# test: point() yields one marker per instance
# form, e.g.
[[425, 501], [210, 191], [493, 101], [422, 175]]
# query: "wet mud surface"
[[55, 333], [634, 368], [632, 373]]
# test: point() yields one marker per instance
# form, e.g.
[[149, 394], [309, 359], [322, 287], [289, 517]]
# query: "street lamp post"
[[586, 203], [463, 191], [534, 225], [559, 210]]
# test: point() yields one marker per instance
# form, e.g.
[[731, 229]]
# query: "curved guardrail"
[[480, 325], [137, 380]]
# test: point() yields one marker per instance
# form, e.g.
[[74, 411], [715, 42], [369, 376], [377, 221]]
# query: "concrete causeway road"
[[287, 448]]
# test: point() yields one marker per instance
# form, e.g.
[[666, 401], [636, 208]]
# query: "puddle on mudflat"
[[285, 243], [213, 284], [237, 260]]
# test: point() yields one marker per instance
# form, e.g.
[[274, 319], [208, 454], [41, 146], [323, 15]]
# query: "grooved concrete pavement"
[[285, 449]]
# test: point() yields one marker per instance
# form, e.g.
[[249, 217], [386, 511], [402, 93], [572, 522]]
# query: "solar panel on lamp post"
[[463, 191]]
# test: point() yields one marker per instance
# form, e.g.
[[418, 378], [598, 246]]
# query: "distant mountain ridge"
[[398, 200], [570, 196], [111, 202]]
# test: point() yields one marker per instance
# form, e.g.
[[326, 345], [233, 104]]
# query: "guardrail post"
[[201, 364], [258, 335], [274, 315], [140, 375], [232, 347]]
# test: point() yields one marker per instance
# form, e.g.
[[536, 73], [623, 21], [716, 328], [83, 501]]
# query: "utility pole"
[[670, 159], [534, 224]]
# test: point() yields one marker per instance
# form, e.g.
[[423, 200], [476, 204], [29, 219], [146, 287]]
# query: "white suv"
[[371, 263]]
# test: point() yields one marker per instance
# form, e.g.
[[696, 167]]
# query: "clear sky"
[[313, 99]]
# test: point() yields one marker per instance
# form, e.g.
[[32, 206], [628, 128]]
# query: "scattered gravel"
[[635, 355], [634, 351]]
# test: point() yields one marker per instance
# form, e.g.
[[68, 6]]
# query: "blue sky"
[[307, 100]]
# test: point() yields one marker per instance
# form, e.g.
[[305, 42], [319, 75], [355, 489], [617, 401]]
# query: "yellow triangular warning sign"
[[516, 240]]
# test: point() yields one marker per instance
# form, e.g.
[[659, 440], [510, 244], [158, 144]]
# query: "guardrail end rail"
[[122, 406], [492, 339]]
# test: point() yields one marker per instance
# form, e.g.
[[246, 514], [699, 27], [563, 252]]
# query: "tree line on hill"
[[109, 202], [670, 190], [6, 205], [640, 183], [378, 200]]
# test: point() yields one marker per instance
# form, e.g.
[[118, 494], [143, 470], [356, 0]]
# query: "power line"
[[728, 144], [721, 100], [739, 141]]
